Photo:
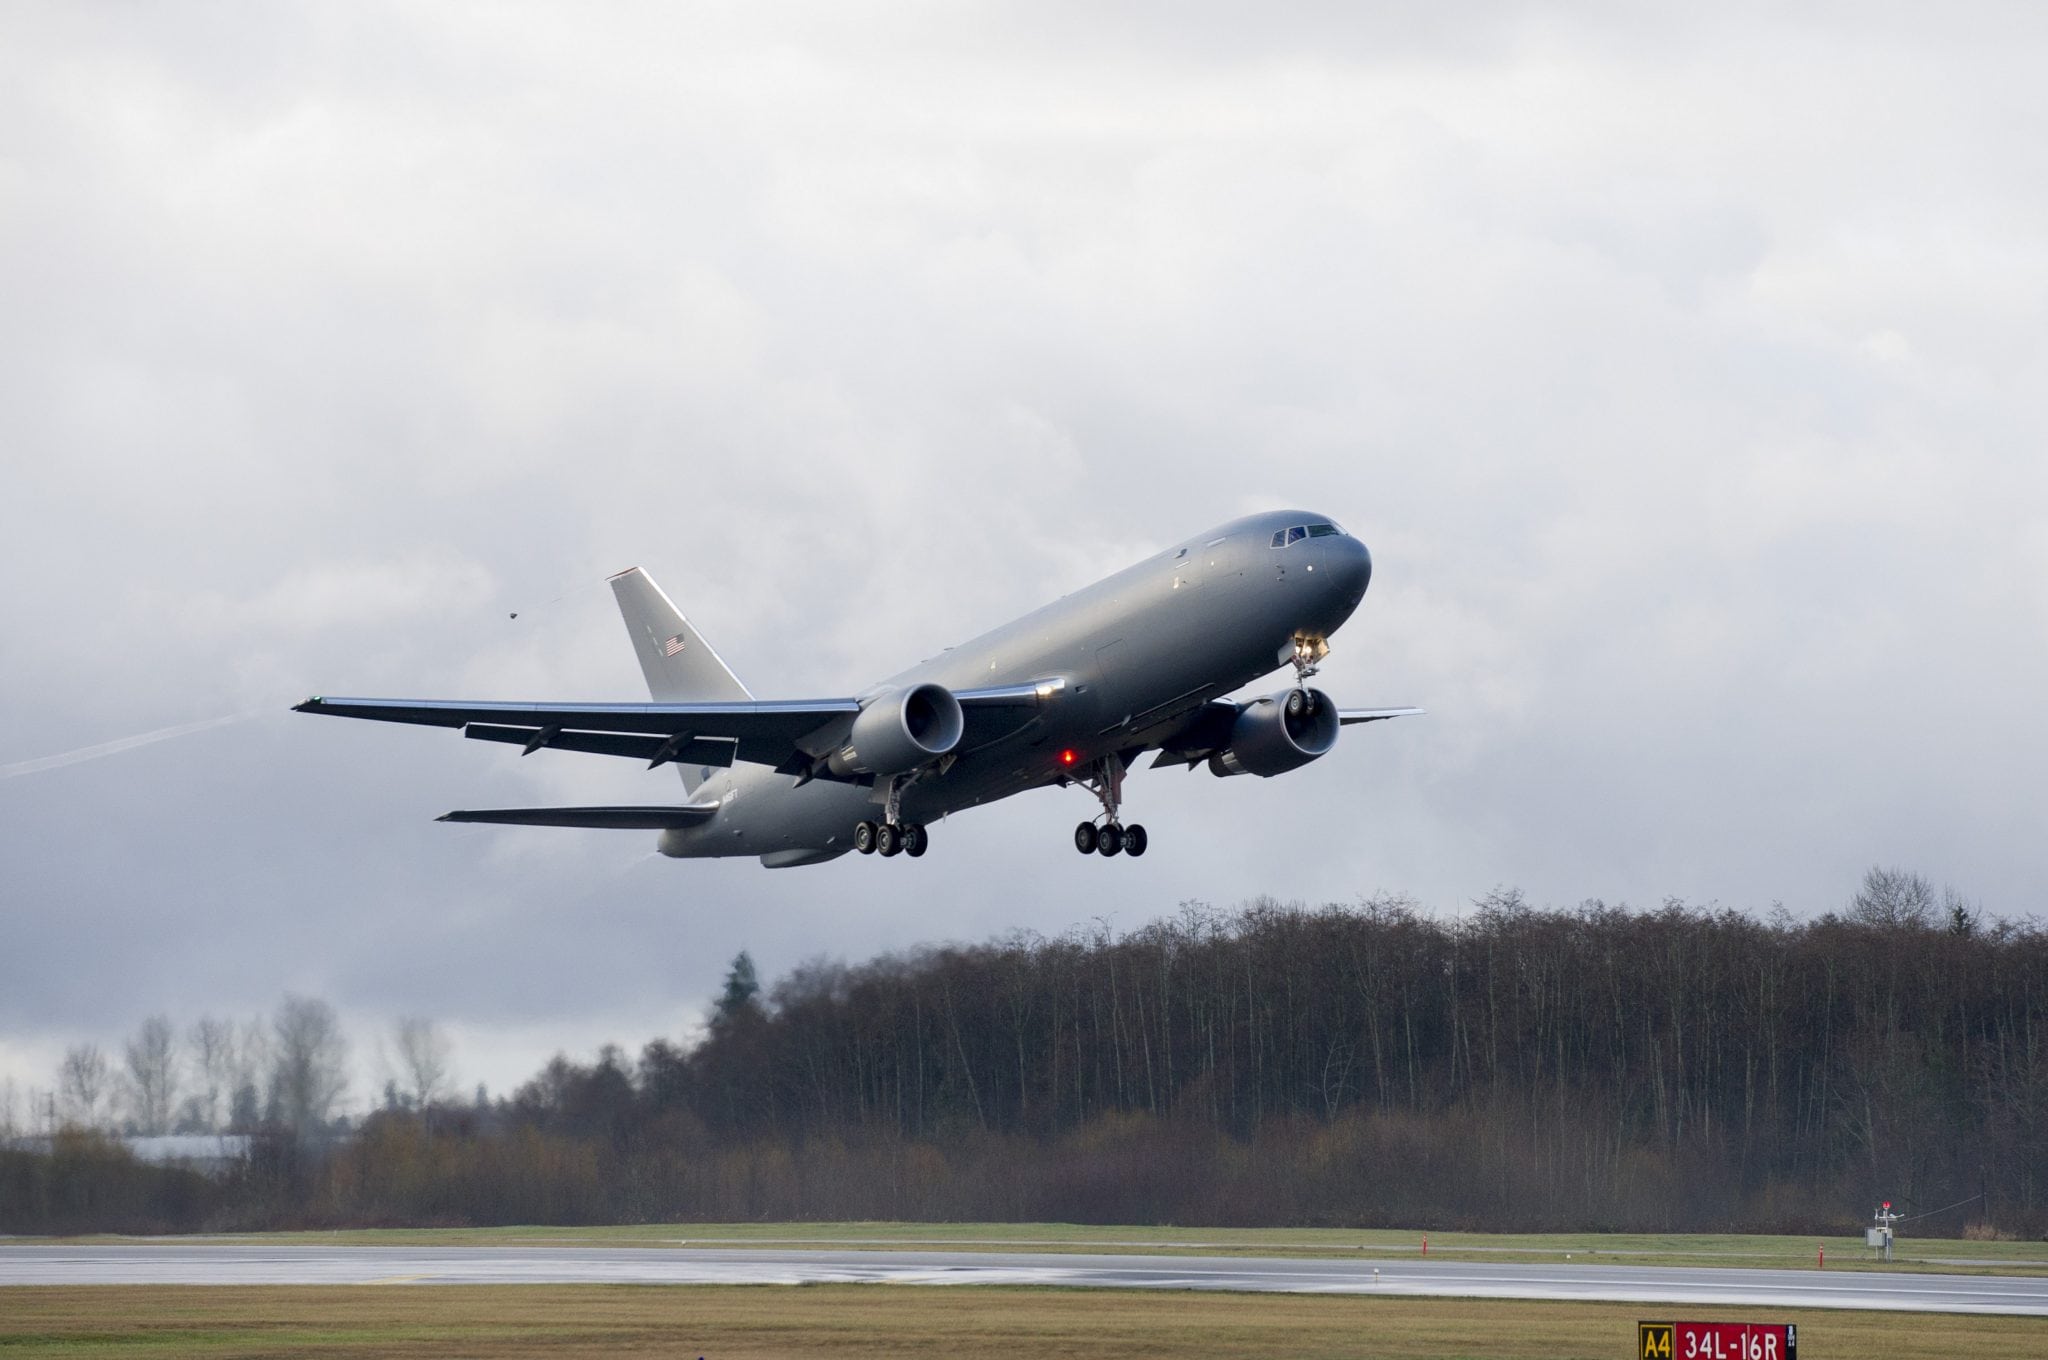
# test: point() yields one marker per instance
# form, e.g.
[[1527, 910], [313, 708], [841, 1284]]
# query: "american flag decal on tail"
[[672, 646]]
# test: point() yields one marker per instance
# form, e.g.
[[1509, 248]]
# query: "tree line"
[[287, 1070], [1681, 1068]]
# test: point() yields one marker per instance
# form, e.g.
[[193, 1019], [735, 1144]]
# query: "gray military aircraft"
[[1072, 694]]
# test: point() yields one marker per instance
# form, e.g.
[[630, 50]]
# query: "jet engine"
[[901, 730], [1278, 733]]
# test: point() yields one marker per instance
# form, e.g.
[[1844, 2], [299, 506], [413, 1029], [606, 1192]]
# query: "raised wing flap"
[[713, 751]]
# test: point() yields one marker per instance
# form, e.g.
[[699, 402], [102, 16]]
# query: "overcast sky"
[[1683, 367]]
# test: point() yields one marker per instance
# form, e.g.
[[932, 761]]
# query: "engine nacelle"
[[1268, 739], [901, 730]]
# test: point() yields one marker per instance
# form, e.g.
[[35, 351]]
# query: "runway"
[[234, 1264]]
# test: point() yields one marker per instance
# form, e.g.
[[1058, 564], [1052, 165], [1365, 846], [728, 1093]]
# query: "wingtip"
[[306, 705]]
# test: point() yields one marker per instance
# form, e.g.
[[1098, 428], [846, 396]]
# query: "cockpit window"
[[1283, 537]]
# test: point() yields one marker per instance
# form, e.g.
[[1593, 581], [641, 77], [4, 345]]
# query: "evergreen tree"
[[742, 985]]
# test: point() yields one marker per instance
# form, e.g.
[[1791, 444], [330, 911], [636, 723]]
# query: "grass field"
[[1843, 1253], [883, 1320]]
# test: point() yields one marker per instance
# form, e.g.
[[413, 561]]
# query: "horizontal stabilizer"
[[606, 818]]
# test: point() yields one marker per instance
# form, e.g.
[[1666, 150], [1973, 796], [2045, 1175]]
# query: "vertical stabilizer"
[[679, 664]]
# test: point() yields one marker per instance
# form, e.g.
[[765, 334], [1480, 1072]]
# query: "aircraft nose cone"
[[1350, 566]]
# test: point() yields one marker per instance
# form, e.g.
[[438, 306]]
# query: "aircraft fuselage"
[[1134, 653]]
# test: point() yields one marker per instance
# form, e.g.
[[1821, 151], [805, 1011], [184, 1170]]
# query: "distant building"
[[211, 1154]]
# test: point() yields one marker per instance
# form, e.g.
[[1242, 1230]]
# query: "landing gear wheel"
[[864, 837], [889, 839], [915, 841], [1297, 703], [1110, 841], [1084, 838], [1135, 840]]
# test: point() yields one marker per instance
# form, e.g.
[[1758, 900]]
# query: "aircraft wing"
[[1207, 730], [788, 734], [1348, 716], [770, 731], [604, 818]]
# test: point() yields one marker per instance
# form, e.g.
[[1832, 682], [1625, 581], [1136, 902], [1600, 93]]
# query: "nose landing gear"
[[1112, 838], [1309, 650], [1306, 655]]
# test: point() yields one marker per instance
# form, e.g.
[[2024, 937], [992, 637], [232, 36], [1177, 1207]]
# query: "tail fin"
[[679, 664], [674, 656]]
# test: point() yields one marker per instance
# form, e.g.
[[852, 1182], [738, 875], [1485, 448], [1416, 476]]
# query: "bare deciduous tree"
[[1893, 897], [423, 1051], [82, 1080], [252, 1074], [151, 1088], [215, 1059], [309, 1065]]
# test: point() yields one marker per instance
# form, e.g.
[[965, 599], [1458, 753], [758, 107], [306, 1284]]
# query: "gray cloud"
[[1682, 370]]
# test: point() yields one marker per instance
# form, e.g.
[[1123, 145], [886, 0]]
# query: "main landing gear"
[[1112, 838], [890, 838], [892, 835]]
